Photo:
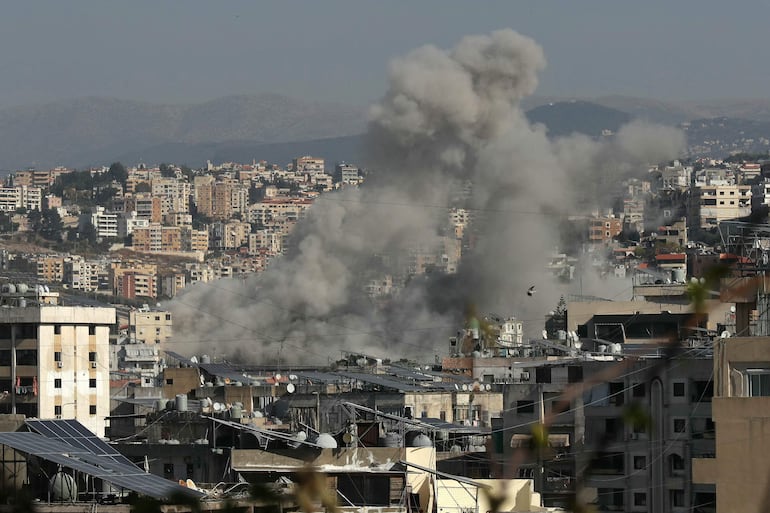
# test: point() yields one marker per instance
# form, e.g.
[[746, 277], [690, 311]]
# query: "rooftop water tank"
[[236, 411], [181, 402], [392, 439], [421, 440], [326, 441], [205, 359], [63, 487], [22, 288]]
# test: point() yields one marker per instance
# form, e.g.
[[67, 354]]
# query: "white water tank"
[[421, 440], [181, 402], [326, 441]]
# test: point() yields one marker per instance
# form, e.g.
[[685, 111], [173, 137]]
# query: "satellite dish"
[[293, 377], [203, 380], [217, 406], [290, 388], [347, 438], [487, 387], [477, 385], [457, 387], [725, 334], [732, 309], [278, 377], [227, 381], [545, 335], [194, 359], [465, 387]]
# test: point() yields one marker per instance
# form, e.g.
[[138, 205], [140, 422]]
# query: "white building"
[[54, 360], [105, 223], [20, 196], [129, 222]]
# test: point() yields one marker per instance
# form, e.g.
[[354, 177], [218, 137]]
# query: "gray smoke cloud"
[[449, 117]]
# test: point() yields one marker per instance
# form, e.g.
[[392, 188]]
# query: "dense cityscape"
[[482, 307]]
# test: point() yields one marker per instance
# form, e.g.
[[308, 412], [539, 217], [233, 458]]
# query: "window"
[[616, 393], [92, 356], [57, 383], [640, 499], [680, 425], [157, 317], [759, 382], [525, 407], [679, 389], [26, 356], [168, 317], [5, 357], [638, 390], [57, 410], [57, 329], [190, 469], [442, 415], [92, 409], [169, 381], [543, 375], [92, 383], [92, 329], [677, 498], [640, 462], [57, 356], [676, 464]]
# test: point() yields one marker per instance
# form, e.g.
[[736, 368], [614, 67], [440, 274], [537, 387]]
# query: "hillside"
[[576, 116], [95, 130]]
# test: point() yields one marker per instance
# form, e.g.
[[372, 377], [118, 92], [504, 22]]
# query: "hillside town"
[[628, 403]]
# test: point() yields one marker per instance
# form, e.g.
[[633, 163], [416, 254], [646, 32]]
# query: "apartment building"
[[195, 240], [86, 275], [174, 195], [54, 360], [308, 165], [157, 238], [50, 269], [20, 196], [712, 204], [604, 229], [739, 466], [346, 173], [232, 235], [105, 223], [265, 240], [150, 326], [118, 269], [634, 467], [134, 284]]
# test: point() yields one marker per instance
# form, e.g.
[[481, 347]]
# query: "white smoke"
[[448, 117]]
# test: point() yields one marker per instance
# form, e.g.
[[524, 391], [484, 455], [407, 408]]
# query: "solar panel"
[[74, 433], [119, 474]]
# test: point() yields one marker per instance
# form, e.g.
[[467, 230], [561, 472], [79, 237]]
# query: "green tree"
[[47, 224], [117, 172]]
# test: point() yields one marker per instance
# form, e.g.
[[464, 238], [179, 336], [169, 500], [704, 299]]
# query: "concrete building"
[[20, 196], [149, 326], [604, 229], [54, 359], [105, 223], [308, 165], [50, 269], [739, 467], [86, 275], [712, 204], [174, 195], [346, 174]]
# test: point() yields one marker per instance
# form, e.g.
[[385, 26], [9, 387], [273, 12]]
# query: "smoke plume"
[[449, 132]]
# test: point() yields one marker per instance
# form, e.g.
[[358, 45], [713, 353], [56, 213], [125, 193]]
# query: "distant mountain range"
[[94, 130]]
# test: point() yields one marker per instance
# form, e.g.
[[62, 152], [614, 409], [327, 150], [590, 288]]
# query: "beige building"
[[54, 360], [50, 269], [713, 204], [741, 414], [150, 327]]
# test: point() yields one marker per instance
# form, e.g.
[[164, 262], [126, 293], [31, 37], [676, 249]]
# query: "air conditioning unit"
[[59, 364], [93, 365]]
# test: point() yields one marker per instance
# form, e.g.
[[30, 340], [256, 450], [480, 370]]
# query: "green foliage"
[[117, 173], [46, 223], [6, 223]]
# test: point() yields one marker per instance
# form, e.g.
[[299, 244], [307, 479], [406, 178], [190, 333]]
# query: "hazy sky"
[[339, 50]]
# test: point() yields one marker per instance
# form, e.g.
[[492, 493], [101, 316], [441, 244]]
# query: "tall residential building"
[[741, 413], [54, 360], [20, 196], [50, 268], [105, 223], [308, 164], [174, 195]]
